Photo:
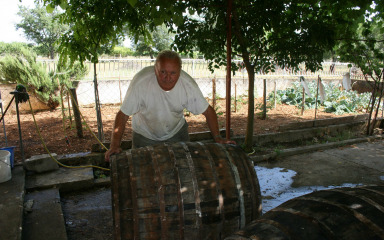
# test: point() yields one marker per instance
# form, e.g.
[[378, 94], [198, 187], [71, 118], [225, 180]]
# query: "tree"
[[266, 34], [365, 49], [160, 40], [98, 23], [94, 26], [122, 51], [105, 23], [41, 27]]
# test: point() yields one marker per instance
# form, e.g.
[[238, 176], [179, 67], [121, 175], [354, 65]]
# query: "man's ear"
[[156, 69]]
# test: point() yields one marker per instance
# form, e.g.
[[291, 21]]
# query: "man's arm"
[[213, 125], [117, 134]]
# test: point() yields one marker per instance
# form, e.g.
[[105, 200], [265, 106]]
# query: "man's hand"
[[110, 152], [211, 118], [117, 133]]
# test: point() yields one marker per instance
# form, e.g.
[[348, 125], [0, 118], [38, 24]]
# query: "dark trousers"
[[139, 140]]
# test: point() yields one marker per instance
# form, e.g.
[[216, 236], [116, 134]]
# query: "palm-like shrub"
[[18, 65]]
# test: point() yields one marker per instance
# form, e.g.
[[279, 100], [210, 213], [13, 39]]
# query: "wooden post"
[[317, 96], [235, 97], [274, 90], [303, 105], [264, 100], [121, 97], [214, 93], [62, 102], [69, 110], [228, 78], [76, 113]]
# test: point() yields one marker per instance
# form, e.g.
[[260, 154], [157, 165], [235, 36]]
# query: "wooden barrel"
[[343, 213], [183, 191]]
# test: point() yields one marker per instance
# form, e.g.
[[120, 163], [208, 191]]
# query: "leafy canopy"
[[160, 40], [266, 34], [41, 27], [99, 23]]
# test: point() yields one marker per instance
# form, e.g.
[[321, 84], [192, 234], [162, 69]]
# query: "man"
[[156, 99]]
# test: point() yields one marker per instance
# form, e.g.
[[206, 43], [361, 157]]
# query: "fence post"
[[121, 97], [76, 113], [193, 68], [303, 106], [264, 116], [235, 97], [274, 90], [317, 96], [69, 110], [214, 93], [97, 107], [382, 110]]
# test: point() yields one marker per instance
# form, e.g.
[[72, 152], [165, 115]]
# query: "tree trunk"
[[380, 89], [248, 142], [373, 101], [52, 54], [97, 106]]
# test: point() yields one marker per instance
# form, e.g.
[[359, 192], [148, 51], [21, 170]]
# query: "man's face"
[[167, 73]]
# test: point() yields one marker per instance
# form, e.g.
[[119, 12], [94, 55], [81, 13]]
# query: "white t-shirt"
[[158, 114]]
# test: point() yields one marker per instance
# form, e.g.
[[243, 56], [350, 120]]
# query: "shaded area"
[[88, 214]]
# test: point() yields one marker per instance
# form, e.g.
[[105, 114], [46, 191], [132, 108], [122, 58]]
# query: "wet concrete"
[[276, 186], [286, 178], [42, 209], [88, 214]]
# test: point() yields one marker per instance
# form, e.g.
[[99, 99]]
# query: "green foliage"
[[337, 101], [340, 102], [18, 65], [12, 47], [265, 34], [294, 95], [218, 107], [66, 73], [122, 51], [21, 67], [160, 39], [100, 174], [365, 49], [104, 26], [41, 27], [260, 107], [240, 101]]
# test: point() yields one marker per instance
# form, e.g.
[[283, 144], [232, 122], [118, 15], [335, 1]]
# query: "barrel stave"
[[182, 191], [343, 213]]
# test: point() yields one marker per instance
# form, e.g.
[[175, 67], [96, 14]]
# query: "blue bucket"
[[11, 150]]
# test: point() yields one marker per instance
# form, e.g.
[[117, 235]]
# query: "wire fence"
[[113, 79], [112, 69]]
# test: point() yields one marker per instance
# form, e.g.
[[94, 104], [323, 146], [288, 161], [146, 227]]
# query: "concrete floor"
[[286, 178]]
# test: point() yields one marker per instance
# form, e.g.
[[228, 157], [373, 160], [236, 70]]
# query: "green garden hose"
[[45, 146]]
